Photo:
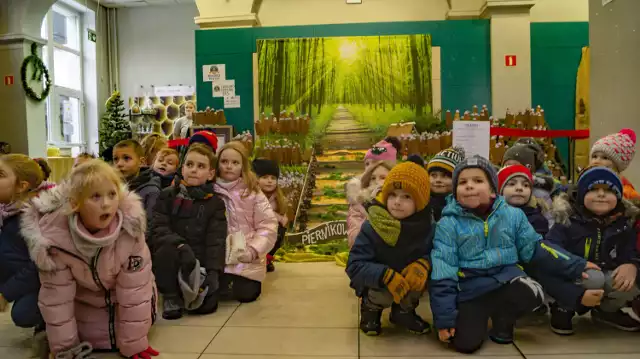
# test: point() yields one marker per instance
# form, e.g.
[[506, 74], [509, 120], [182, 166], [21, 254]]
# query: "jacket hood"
[[358, 195], [141, 179], [57, 199], [563, 209]]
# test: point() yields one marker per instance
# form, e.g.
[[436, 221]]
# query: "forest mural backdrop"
[[375, 79]]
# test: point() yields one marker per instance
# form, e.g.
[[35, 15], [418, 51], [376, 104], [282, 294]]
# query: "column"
[[225, 13]]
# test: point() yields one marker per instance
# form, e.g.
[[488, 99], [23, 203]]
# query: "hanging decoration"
[[39, 69]]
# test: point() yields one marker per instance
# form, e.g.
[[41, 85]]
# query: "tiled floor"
[[308, 311]]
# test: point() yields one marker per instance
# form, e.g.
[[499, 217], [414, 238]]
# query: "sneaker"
[[409, 320], [172, 308], [370, 321], [619, 320], [40, 345], [501, 331], [561, 320], [270, 267]]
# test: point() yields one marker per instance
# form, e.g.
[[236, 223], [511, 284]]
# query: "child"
[[20, 176], [87, 239], [151, 145], [370, 185], [596, 224], [440, 170], [477, 246], [160, 177], [529, 156], [188, 231], [82, 158], [268, 173], [183, 124], [389, 261], [515, 183], [128, 158], [381, 151], [616, 151], [250, 218]]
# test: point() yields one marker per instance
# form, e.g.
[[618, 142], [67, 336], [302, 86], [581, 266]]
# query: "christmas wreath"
[[39, 70]]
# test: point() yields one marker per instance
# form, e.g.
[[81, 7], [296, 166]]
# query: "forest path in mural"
[[344, 132]]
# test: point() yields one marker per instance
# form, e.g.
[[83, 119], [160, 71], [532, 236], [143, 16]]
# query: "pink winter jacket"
[[357, 214], [96, 288], [252, 215]]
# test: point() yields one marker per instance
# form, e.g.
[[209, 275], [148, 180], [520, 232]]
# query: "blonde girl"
[[86, 237], [182, 125], [249, 216], [370, 184], [151, 145], [20, 177], [268, 174]]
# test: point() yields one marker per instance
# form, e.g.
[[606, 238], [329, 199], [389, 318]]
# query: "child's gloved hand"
[[589, 266], [446, 334], [3, 304], [146, 354], [212, 282], [397, 285], [417, 274], [592, 297], [624, 277]]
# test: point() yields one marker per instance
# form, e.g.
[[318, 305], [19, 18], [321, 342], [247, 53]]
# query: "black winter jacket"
[[18, 273], [202, 226]]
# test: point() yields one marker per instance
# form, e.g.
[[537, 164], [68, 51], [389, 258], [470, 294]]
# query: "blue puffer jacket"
[[385, 242], [18, 274], [472, 257]]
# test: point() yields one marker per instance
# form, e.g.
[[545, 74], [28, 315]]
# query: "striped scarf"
[[188, 194]]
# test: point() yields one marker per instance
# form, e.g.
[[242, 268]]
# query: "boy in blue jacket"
[[595, 222], [477, 247], [389, 261]]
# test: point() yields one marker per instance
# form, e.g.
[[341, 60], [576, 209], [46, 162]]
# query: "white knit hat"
[[619, 147]]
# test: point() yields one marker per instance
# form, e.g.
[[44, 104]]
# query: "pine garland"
[[39, 69]]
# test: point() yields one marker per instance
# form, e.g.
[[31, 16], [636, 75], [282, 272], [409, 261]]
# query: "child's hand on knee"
[[417, 274], [446, 334], [624, 277], [592, 297], [589, 266], [396, 284]]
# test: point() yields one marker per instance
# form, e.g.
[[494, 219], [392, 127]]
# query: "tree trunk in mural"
[[429, 76], [416, 76], [278, 78]]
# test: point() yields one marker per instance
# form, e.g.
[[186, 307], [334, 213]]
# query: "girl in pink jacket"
[[86, 237], [249, 217], [357, 195]]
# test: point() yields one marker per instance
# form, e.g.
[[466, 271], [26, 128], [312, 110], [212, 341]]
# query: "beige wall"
[[560, 11], [614, 35]]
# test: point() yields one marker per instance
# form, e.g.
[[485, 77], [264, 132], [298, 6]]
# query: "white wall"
[[560, 11], [156, 46]]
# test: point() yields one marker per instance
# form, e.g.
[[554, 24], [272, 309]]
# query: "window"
[[63, 56]]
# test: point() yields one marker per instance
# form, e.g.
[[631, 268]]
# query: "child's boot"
[[619, 320], [501, 330], [561, 320], [270, 266], [408, 319], [40, 346], [370, 320], [172, 308]]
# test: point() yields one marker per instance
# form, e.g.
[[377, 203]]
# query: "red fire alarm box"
[[8, 80], [510, 60]]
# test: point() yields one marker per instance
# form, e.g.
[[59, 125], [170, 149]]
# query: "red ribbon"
[[516, 132], [179, 142]]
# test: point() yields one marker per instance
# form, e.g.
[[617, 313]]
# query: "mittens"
[[212, 282], [80, 351], [248, 256], [146, 354], [397, 285], [417, 274], [187, 259]]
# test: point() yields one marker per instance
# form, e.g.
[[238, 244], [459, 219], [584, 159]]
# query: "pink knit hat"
[[381, 151], [619, 147]]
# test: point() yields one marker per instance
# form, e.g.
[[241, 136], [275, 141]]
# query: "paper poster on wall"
[[169, 91], [213, 72], [473, 136], [232, 102], [224, 88]]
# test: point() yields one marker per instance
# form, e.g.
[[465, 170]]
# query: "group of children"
[[83, 262], [488, 244]]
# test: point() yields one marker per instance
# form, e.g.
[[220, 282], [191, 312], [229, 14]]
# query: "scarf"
[[87, 243], [8, 210], [437, 202], [484, 210], [188, 194]]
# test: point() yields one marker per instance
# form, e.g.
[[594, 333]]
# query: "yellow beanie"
[[411, 178]]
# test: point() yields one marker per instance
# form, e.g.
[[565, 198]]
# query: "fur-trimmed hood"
[[356, 194], [50, 209], [563, 208]]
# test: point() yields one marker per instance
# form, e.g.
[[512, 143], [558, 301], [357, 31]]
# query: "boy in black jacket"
[[440, 170], [188, 231], [389, 261], [597, 224]]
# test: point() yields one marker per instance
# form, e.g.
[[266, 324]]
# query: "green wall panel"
[[556, 49], [465, 58]]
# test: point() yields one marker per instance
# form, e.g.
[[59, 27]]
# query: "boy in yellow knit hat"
[[389, 261]]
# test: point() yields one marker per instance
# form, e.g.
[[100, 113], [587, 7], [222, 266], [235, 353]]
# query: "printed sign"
[[214, 72], [510, 60], [232, 102], [323, 233], [8, 80], [171, 91], [224, 88], [473, 136]]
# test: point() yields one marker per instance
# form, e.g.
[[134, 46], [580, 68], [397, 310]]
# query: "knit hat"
[[446, 159], [619, 147], [417, 159], [263, 167], [381, 151], [592, 176], [538, 152], [480, 162], [411, 178], [206, 137], [523, 154], [510, 172]]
